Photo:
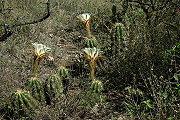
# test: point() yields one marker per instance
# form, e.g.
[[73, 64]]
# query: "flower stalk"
[[40, 52], [85, 18], [92, 68], [35, 64], [92, 55], [87, 25]]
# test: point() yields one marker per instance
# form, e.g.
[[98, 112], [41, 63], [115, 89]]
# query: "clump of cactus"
[[92, 55], [22, 104], [40, 52], [53, 88], [36, 88], [96, 86], [118, 42]]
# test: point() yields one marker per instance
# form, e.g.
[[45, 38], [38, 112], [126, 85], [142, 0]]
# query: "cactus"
[[22, 104], [53, 88], [117, 36], [36, 88], [90, 42], [62, 72], [93, 95], [96, 86]]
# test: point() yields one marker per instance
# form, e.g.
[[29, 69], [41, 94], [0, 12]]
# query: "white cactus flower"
[[40, 49], [92, 53], [84, 17]]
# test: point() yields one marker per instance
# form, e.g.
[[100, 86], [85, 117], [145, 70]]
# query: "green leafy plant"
[[35, 86], [136, 103]]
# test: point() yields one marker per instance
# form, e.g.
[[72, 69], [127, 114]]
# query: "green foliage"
[[170, 53], [35, 86], [22, 104], [53, 88], [137, 104]]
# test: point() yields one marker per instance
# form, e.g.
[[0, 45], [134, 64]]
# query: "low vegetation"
[[97, 59]]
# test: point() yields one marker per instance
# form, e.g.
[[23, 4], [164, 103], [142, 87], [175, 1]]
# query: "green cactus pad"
[[36, 88]]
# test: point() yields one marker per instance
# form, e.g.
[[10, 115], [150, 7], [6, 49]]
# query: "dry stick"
[[7, 26]]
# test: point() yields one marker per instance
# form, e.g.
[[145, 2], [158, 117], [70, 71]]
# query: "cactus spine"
[[53, 88], [22, 103], [36, 88]]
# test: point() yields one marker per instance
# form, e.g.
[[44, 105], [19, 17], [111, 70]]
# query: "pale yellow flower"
[[84, 17], [91, 53], [41, 50]]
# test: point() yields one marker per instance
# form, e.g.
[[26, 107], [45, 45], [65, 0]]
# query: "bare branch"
[[8, 26], [35, 21]]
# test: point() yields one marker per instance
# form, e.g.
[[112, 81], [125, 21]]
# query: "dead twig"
[[8, 33]]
